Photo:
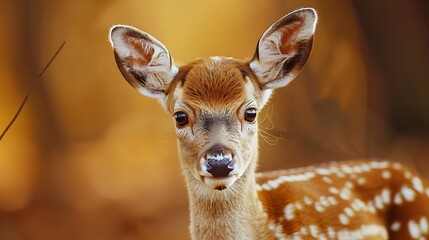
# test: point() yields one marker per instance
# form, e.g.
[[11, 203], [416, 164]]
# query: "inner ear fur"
[[143, 60], [284, 48]]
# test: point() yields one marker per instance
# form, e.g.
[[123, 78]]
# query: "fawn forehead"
[[214, 83]]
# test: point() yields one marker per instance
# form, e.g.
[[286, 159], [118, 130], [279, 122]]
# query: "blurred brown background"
[[89, 158]]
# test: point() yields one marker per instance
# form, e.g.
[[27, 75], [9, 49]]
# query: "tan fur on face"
[[214, 93], [209, 84]]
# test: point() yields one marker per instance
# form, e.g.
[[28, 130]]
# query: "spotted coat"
[[346, 200]]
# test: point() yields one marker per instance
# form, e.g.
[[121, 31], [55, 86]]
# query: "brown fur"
[[375, 182], [202, 79]]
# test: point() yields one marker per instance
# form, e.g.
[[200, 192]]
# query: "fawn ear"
[[284, 48], [143, 60]]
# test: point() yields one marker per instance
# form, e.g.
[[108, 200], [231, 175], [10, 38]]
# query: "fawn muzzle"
[[219, 161]]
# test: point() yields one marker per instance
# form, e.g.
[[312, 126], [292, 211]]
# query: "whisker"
[[269, 138]]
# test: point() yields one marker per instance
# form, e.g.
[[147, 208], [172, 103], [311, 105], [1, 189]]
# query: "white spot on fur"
[[361, 181], [307, 200], [379, 165], [275, 183], [417, 184], [374, 230], [424, 225], [345, 194], [332, 200], [397, 199], [323, 171], [277, 230], [323, 200], [378, 202], [333, 190], [331, 232], [339, 173], [366, 168], [347, 169], [314, 231], [318, 206], [343, 219], [408, 193], [322, 237], [296, 236], [289, 211], [370, 207], [355, 206], [357, 169], [386, 174], [327, 180], [349, 185], [349, 212], [395, 226], [303, 231], [360, 204], [309, 175], [385, 195], [414, 229]]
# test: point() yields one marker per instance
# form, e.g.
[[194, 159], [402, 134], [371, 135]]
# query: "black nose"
[[219, 162]]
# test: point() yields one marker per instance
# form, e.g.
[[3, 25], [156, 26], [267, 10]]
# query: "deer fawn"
[[214, 103]]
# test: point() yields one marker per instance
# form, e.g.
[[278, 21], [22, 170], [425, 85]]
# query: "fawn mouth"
[[219, 183]]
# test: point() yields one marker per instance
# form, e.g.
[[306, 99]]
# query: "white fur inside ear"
[[271, 60], [310, 22], [134, 48], [269, 65]]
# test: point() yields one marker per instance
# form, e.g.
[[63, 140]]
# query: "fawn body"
[[214, 103]]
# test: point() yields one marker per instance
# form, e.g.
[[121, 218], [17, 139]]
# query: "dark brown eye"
[[250, 115], [181, 119]]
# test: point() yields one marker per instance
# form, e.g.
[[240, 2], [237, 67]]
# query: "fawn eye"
[[250, 115], [181, 119]]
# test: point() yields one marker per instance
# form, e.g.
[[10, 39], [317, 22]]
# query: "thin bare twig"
[[35, 82]]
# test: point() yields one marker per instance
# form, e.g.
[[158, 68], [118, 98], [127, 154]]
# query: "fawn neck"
[[232, 213]]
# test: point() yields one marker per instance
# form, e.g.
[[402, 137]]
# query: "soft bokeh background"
[[89, 158]]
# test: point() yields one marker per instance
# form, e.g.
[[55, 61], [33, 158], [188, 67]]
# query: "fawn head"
[[214, 102]]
